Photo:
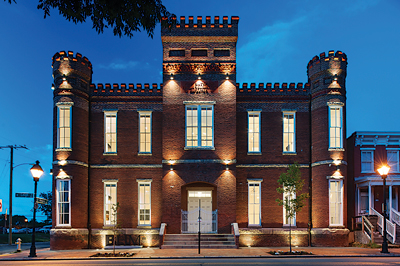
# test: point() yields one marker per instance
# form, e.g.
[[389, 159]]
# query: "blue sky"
[[276, 41]]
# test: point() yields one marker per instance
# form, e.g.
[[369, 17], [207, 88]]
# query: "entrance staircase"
[[191, 241]]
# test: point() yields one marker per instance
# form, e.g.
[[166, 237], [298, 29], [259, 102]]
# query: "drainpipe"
[[89, 225], [310, 177]]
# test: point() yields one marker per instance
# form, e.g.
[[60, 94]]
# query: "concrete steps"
[[190, 241]]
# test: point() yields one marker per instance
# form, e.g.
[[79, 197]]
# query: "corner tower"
[[72, 77], [199, 119], [327, 77]]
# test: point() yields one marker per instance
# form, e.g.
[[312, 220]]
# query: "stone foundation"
[[68, 239]]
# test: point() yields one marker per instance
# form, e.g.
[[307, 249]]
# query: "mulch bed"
[[110, 254], [290, 253]]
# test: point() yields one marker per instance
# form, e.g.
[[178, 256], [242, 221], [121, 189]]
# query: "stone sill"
[[63, 149], [289, 153], [200, 148], [254, 153], [144, 154], [110, 153]]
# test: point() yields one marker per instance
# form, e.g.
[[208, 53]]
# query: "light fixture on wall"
[[171, 163], [64, 78], [227, 164], [199, 77], [337, 163], [172, 76], [226, 76], [52, 87], [335, 77]]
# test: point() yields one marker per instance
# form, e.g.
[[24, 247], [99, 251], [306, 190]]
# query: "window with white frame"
[[289, 132], [254, 136], [64, 126], [144, 203], [110, 202], [145, 131], [393, 160], [367, 161], [110, 131], [287, 197], [335, 127], [199, 126], [335, 202], [63, 196], [254, 208]]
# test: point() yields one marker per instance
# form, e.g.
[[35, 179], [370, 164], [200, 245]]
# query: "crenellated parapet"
[[273, 89], [334, 62], [125, 90]]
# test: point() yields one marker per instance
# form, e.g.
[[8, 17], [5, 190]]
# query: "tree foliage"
[[46, 208], [123, 16]]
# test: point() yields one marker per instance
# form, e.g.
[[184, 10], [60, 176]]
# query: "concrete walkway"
[[154, 253]]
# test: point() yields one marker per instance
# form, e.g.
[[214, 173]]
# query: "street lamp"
[[383, 171], [36, 172], [26, 225]]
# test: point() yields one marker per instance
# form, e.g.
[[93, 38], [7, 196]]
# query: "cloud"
[[360, 5], [120, 65], [267, 48]]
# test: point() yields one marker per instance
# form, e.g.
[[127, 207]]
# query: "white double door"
[[200, 203]]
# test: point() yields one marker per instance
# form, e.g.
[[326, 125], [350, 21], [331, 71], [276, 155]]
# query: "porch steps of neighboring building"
[[397, 235], [190, 241]]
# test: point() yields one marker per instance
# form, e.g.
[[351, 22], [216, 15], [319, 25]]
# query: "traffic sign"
[[1, 205], [24, 195], [42, 201]]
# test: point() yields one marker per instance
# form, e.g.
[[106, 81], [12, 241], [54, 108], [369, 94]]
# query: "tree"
[[46, 208], [116, 226], [291, 187], [123, 16]]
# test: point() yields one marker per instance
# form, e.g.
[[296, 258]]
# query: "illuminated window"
[[289, 132], [367, 161], [199, 126], [110, 202], [64, 126], [335, 127], [110, 131], [287, 197], [254, 136], [335, 202], [144, 203], [254, 209], [145, 131], [393, 160], [63, 192]]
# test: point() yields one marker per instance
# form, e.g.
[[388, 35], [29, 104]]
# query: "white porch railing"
[[367, 228], [395, 216], [390, 227]]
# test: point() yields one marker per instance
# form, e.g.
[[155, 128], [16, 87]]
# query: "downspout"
[[310, 176], [89, 225]]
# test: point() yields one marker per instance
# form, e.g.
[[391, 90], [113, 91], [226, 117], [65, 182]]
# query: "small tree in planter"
[[291, 187], [116, 226]]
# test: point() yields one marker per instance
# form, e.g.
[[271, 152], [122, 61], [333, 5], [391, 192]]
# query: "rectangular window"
[[202, 52], [180, 53], [367, 161], [64, 127], [335, 127], [287, 197], [145, 203], [335, 202], [145, 132], [221, 52], [110, 202], [63, 187], [254, 136], [289, 132], [199, 126], [110, 131], [393, 160], [254, 203]]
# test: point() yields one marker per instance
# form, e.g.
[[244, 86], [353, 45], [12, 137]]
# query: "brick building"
[[199, 138], [367, 152]]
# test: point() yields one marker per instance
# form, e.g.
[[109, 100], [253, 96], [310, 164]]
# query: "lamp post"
[[383, 171], [36, 172], [26, 225]]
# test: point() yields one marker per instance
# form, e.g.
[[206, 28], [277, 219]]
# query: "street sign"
[[24, 195], [1, 205], [42, 201]]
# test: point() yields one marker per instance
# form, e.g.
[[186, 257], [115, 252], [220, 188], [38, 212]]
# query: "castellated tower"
[[72, 76], [327, 77], [199, 77]]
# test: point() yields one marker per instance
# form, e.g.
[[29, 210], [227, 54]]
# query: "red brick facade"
[[199, 70]]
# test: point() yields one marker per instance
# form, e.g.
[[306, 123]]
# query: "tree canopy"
[[124, 16]]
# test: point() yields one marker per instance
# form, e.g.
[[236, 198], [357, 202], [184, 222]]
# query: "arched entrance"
[[199, 210]]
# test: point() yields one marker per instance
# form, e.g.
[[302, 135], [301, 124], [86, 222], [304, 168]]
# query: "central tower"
[[199, 120]]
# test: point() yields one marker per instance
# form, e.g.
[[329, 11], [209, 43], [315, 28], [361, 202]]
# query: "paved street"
[[5, 248]]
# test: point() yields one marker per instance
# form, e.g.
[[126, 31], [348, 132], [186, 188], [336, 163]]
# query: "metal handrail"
[[390, 227]]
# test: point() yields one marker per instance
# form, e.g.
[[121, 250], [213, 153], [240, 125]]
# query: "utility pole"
[[11, 147]]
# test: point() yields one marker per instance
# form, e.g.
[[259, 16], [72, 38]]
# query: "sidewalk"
[[154, 253]]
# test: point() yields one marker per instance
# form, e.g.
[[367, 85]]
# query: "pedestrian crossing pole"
[[199, 220]]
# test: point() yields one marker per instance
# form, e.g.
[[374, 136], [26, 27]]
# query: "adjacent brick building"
[[160, 150]]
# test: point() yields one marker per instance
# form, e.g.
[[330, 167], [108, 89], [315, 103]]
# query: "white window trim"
[[341, 206], [253, 181], [57, 201], [108, 182], [254, 112], [110, 112], [398, 159], [140, 182], [340, 106], [372, 163], [146, 112], [64, 105], [284, 212], [198, 105], [294, 131]]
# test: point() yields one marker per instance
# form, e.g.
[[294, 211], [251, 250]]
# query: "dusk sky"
[[276, 41]]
